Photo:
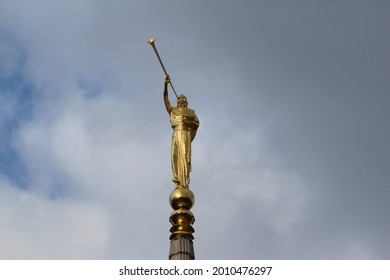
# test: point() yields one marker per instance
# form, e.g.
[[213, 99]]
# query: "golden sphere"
[[182, 198]]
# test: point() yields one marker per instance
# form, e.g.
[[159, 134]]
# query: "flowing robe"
[[185, 124]]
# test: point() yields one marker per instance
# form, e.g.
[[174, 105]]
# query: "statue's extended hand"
[[167, 79]]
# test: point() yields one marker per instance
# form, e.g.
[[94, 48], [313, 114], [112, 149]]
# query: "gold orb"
[[182, 198]]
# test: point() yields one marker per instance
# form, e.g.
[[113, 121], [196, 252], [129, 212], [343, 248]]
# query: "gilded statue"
[[184, 123]]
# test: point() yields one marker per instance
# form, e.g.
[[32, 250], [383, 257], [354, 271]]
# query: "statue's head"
[[182, 101]]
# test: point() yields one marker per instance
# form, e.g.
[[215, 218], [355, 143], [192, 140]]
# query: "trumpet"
[[151, 42]]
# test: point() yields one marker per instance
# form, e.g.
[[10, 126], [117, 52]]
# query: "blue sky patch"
[[16, 98]]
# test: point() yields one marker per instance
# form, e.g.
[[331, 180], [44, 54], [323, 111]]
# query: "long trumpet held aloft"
[[151, 42]]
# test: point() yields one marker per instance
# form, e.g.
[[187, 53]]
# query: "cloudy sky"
[[291, 160]]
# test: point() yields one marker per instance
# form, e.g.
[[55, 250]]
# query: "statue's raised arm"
[[166, 100]]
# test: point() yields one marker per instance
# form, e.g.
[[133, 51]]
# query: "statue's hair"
[[182, 96]]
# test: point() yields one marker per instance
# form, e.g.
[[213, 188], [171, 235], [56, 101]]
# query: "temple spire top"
[[184, 123]]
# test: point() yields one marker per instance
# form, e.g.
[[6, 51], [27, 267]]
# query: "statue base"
[[181, 219]]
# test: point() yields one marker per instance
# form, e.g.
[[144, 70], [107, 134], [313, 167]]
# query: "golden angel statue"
[[185, 124]]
